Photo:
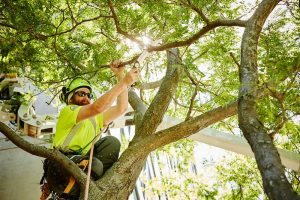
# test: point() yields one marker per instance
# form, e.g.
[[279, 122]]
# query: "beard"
[[82, 102]]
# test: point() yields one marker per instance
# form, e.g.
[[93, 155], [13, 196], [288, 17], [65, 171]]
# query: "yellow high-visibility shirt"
[[84, 134]]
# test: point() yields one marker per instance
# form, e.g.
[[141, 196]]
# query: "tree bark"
[[275, 182], [155, 113]]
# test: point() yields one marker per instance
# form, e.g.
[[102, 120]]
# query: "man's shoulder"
[[69, 108]]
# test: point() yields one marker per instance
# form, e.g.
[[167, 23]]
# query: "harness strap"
[[70, 185], [83, 164], [72, 133], [96, 135]]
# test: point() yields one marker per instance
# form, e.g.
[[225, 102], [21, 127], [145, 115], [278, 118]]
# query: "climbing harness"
[[47, 190], [83, 164]]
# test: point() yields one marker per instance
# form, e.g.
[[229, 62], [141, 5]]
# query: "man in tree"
[[79, 124]]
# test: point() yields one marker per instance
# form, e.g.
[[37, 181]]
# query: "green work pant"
[[106, 153]]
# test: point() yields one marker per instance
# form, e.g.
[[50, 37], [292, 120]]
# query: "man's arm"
[[122, 100], [103, 103]]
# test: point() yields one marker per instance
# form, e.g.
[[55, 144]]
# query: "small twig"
[[188, 115], [71, 13], [105, 35], [198, 10], [53, 98], [235, 60], [118, 26]]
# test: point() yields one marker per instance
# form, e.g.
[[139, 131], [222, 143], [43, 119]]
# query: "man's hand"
[[131, 77], [118, 71]]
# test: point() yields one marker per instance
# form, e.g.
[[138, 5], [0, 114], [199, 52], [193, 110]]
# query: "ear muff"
[[62, 96], [64, 90]]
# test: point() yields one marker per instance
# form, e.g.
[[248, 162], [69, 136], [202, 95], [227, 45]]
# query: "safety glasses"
[[83, 94]]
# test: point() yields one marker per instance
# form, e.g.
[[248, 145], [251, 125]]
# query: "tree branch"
[[44, 152], [190, 127], [196, 124], [108, 37], [83, 41], [154, 115], [151, 85], [188, 115], [74, 21], [58, 51], [234, 59], [137, 105], [44, 37], [210, 26]]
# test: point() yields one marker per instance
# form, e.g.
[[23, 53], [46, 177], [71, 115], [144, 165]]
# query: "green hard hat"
[[76, 83], [72, 85]]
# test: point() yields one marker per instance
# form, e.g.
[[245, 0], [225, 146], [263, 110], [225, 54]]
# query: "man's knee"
[[107, 149], [112, 143]]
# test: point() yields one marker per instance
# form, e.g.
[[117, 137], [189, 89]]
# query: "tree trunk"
[[275, 182], [119, 181]]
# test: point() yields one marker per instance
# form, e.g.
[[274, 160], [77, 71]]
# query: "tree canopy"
[[216, 59]]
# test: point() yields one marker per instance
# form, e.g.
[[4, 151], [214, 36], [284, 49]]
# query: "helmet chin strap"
[[69, 97]]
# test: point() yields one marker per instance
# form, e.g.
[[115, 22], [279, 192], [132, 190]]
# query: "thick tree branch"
[[128, 62], [148, 86], [196, 124], [41, 151], [175, 133], [190, 127], [154, 115], [137, 105]]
